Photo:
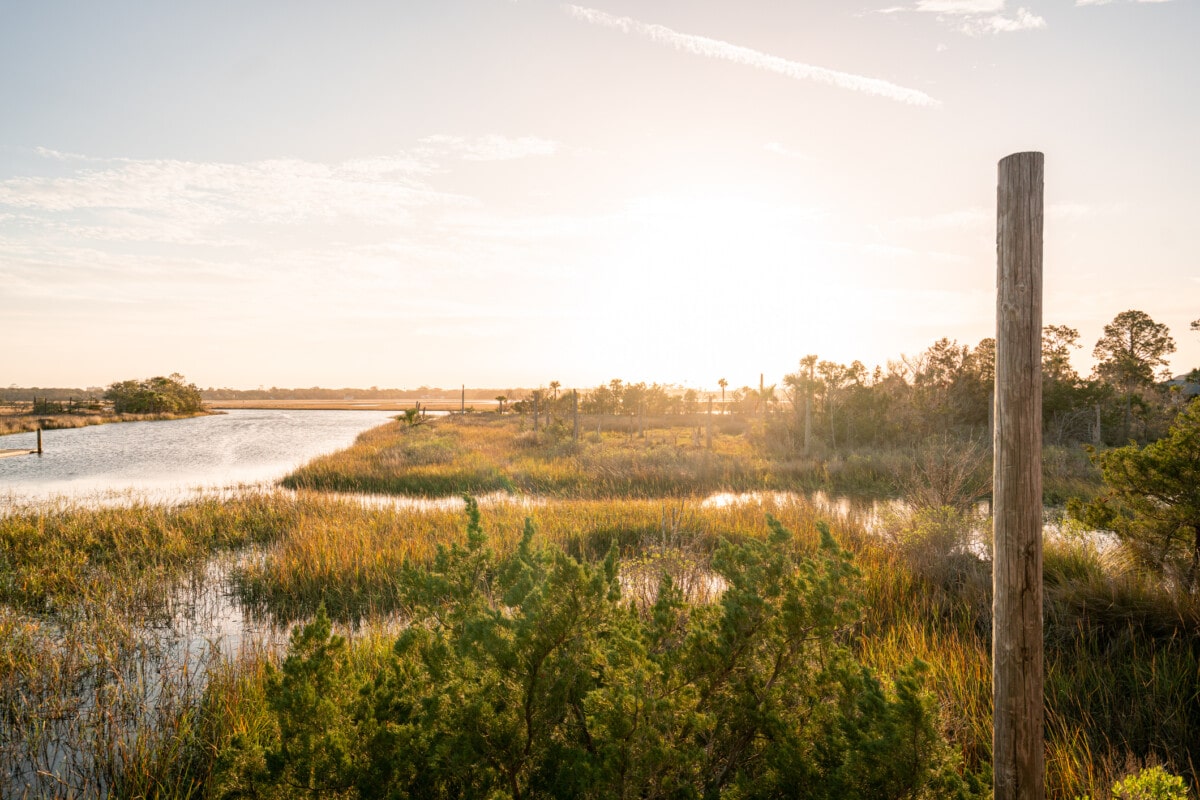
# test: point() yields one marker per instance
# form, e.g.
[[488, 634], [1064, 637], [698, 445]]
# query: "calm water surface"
[[176, 459]]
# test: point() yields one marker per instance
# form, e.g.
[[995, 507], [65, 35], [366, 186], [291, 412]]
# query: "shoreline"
[[12, 424], [351, 405]]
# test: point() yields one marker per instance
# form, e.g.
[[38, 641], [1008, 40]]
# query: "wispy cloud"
[[175, 201], [1024, 20], [978, 17], [782, 150], [277, 191], [1107, 2], [269, 215], [724, 51], [493, 148], [961, 6]]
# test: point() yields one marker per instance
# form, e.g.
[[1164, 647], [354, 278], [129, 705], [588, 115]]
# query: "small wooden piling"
[[708, 426], [39, 437], [575, 413]]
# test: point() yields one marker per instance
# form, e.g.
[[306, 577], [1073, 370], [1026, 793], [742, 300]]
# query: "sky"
[[511, 192]]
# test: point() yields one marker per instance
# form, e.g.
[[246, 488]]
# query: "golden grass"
[[486, 453], [1122, 666], [347, 555], [53, 556], [350, 405], [12, 422]]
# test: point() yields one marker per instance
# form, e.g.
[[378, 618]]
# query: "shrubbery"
[[158, 395], [527, 676]]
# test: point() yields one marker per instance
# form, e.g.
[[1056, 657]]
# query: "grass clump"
[[50, 558]]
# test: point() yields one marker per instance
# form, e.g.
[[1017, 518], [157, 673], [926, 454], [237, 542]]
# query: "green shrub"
[[527, 676], [1152, 783]]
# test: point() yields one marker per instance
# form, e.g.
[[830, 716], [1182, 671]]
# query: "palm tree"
[[767, 396], [501, 399], [554, 388], [722, 383]]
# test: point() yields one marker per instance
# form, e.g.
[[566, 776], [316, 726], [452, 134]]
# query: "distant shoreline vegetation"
[[152, 399]]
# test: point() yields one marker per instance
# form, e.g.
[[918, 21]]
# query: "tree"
[[1153, 497], [690, 398], [764, 397], [722, 383], [1057, 343], [157, 395], [1131, 353], [501, 399], [1067, 402], [834, 378]]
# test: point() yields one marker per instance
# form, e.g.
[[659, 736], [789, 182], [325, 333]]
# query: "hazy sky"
[[502, 193]]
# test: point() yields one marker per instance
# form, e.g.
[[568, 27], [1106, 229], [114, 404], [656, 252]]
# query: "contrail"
[[714, 48]]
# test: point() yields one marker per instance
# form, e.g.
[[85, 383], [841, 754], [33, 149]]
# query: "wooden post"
[[1018, 749], [708, 432], [575, 411], [39, 431], [462, 403], [535, 412]]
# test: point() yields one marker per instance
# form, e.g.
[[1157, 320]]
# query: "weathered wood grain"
[[1017, 651]]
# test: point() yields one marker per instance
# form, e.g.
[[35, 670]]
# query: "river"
[[173, 460]]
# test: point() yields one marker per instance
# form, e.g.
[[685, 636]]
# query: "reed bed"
[[53, 556], [347, 554], [481, 454], [620, 458], [96, 700], [28, 423], [100, 696]]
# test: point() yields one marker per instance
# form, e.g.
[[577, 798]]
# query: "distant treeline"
[[26, 394], [944, 391], [350, 393]]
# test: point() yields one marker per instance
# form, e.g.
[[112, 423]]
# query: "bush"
[[156, 395], [1152, 783], [527, 676]]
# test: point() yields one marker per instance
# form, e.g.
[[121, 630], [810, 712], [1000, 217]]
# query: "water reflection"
[[867, 512], [175, 460]]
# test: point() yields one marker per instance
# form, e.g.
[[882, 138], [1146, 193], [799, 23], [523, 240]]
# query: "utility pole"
[[1018, 747]]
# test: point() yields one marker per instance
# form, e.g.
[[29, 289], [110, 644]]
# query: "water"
[[173, 460]]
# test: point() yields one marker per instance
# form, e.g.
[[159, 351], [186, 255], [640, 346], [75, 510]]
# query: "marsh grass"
[[622, 457], [96, 700], [102, 656], [347, 555], [481, 454], [1123, 667], [11, 423], [98, 695], [55, 556]]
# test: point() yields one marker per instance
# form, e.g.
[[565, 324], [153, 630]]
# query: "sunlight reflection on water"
[[177, 459]]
